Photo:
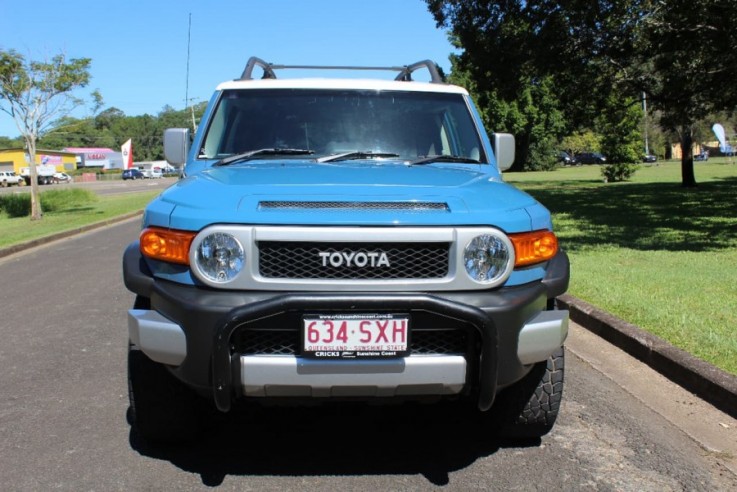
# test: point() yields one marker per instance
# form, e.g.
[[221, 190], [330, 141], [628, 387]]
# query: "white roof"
[[356, 84]]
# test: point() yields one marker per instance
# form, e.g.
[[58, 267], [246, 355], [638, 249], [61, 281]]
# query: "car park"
[[132, 174], [343, 240], [590, 158]]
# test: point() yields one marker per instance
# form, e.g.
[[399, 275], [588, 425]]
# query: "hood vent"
[[354, 206]]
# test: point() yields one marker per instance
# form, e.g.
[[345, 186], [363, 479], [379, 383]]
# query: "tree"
[[681, 53], [524, 65], [529, 110], [35, 94], [686, 65], [581, 141], [7, 142], [619, 125]]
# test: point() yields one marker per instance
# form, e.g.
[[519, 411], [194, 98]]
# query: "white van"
[[154, 172]]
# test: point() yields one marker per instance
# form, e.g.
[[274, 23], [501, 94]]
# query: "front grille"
[[439, 342], [266, 342], [286, 342], [314, 260]]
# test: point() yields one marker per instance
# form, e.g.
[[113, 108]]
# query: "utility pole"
[[644, 110]]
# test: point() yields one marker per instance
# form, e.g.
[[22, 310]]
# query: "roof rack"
[[405, 72]]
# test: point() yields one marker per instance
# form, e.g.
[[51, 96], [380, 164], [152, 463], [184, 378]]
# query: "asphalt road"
[[63, 405], [103, 187]]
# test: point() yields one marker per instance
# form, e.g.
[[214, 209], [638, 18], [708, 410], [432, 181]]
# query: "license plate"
[[355, 336]]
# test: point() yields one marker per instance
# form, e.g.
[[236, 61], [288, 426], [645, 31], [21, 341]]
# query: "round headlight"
[[486, 258], [220, 257]]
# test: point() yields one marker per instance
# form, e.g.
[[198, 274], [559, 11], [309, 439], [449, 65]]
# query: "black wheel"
[[529, 408], [162, 408]]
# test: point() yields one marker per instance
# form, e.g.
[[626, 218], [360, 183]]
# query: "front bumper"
[[192, 330]]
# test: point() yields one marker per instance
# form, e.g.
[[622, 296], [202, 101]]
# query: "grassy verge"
[[653, 253], [70, 216]]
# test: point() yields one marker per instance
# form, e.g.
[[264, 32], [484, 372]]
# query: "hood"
[[345, 193]]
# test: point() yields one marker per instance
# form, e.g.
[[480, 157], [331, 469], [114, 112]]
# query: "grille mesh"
[[356, 206], [286, 342], [297, 260]]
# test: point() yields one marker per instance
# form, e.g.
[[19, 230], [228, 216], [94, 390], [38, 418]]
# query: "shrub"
[[618, 171], [19, 204], [16, 204]]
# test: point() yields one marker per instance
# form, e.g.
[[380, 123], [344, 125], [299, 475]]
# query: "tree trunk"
[[688, 178], [36, 212]]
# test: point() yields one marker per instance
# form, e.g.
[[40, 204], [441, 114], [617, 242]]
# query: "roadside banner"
[[127, 151], [724, 145], [719, 133]]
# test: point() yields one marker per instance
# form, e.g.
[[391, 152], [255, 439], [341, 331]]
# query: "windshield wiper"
[[251, 154], [429, 159], [357, 154]]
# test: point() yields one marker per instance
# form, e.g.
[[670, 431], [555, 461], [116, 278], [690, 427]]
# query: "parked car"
[[132, 174], [649, 158], [567, 159], [8, 178], [702, 156], [590, 158], [61, 178], [154, 172]]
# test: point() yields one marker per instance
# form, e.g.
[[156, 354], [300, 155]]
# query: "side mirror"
[[176, 145], [503, 144]]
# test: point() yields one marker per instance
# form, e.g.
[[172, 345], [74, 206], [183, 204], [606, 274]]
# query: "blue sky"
[[139, 48]]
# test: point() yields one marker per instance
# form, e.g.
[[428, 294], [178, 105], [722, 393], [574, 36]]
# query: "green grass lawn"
[[22, 229], [651, 252]]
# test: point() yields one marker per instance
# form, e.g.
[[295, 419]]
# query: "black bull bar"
[[222, 362]]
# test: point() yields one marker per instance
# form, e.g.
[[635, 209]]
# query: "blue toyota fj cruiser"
[[343, 239]]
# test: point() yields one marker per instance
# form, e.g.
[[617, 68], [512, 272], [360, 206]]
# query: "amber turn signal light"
[[533, 247], [166, 245]]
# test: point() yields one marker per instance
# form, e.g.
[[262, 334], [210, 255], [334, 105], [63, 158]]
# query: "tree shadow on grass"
[[75, 210], [335, 440], [652, 216]]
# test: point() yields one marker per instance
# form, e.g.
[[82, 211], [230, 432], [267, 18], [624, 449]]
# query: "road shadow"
[[337, 440]]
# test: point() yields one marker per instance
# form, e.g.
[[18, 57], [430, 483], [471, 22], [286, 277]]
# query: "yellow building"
[[17, 159]]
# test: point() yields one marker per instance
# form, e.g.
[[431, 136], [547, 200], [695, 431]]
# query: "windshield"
[[409, 125]]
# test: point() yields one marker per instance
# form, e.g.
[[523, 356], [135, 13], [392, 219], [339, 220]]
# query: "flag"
[[719, 133], [127, 151]]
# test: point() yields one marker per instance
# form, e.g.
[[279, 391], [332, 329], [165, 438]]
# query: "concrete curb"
[[701, 378], [65, 234]]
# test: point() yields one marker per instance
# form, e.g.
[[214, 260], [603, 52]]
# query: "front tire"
[[530, 407], [162, 408]]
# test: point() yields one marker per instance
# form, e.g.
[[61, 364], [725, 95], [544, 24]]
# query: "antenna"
[[186, 84]]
